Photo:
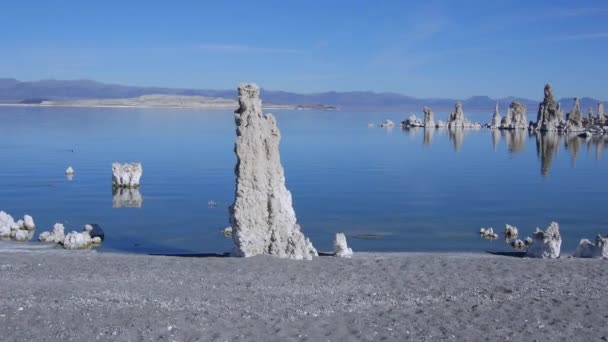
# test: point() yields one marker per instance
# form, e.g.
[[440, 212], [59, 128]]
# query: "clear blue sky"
[[419, 48]]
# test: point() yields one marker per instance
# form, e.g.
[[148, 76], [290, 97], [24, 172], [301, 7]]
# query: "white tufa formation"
[[511, 232], [341, 247], [457, 119], [387, 123], [575, 118], [126, 175], [587, 249], [600, 111], [412, 121], [55, 236], [429, 118], [81, 240], [262, 216], [546, 244], [516, 117], [22, 230], [496, 119], [69, 171]]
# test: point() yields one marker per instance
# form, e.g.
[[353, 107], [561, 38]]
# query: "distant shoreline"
[[202, 107]]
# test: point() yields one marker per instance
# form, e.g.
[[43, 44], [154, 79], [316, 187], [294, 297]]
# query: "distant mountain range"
[[15, 91]]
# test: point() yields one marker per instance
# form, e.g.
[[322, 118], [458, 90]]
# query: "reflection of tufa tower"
[[547, 144], [456, 135]]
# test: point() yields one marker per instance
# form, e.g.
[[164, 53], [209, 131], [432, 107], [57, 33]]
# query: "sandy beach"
[[51, 295]]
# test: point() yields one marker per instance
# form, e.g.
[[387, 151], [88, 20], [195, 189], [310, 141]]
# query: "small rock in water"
[[341, 247], [387, 123], [22, 230], [69, 171], [511, 231], [56, 236], [518, 244], [227, 232], [126, 175]]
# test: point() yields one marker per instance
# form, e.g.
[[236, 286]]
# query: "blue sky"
[[419, 48]]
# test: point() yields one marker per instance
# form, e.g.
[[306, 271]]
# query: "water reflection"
[[456, 137], [547, 144], [516, 139], [126, 198], [428, 136], [495, 138]]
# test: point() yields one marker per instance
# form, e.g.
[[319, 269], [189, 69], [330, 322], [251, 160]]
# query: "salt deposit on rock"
[[126, 198], [69, 171], [55, 236], [22, 230], [341, 247], [575, 118], [546, 244], [126, 175], [262, 217], [549, 116], [496, 119]]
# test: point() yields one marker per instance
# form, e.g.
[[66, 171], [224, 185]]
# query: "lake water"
[[387, 189]]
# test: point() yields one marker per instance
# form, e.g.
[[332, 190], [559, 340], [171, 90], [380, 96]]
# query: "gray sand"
[[52, 295]]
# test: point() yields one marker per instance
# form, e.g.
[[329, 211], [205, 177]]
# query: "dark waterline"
[[388, 190]]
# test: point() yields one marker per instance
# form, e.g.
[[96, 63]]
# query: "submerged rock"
[[126, 175], [341, 247], [262, 217], [547, 244]]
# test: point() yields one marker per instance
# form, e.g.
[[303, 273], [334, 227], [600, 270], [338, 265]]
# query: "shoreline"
[[85, 295]]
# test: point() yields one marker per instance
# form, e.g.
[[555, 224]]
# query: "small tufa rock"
[[22, 230], [488, 233], [387, 123], [518, 244], [587, 249], [547, 244], [126, 175], [69, 171], [511, 231], [227, 232], [56, 236], [341, 247], [81, 240]]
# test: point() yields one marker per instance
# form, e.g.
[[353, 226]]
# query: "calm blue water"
[[420, 191]]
